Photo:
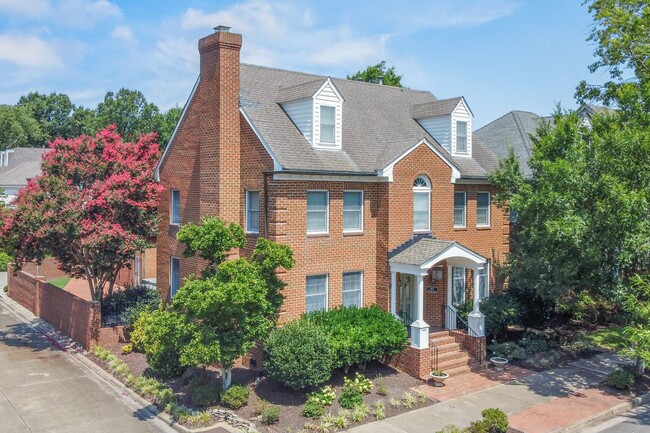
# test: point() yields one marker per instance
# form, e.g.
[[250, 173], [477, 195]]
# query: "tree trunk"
[[226, 377], [639, 366]]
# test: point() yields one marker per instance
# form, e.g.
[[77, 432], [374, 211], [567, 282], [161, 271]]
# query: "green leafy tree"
[[372, 73], [236, 302], [168, 124], [637, 330], [18, 128], [131, 113]]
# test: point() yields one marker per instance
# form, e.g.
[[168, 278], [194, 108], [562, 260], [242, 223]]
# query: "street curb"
[[604, 415]]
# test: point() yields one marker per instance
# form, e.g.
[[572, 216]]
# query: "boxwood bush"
[[299, 355], [359, 335]]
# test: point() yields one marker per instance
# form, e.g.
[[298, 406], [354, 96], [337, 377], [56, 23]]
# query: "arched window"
[[421, 204]]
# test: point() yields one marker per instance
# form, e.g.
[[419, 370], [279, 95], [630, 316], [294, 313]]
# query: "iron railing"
[[475, 345], [406, 320], [434, 357]]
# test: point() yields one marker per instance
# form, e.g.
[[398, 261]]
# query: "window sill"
[[252, 233], [422, 232], [318, 235], [358, 233], [483, 227], [460, 228]]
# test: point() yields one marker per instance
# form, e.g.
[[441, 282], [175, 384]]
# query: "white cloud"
[[123, 33], [25, 8], [29, 51], [69, 13]]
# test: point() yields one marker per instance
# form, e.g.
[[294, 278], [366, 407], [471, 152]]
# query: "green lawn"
[[60, 282], [607, 338]]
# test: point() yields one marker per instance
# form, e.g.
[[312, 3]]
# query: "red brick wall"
[[47, 269], [416, 362], [22, 289]]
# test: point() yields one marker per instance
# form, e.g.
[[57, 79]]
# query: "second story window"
[[317, 212], [327, 124], [352, 211], [175, 207], [459, 209], [461, 137], [252, 211], [421, 203], [483, 209]]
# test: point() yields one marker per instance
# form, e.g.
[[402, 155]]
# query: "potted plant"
[[499, 363], [438, 377]]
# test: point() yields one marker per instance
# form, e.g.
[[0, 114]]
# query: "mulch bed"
[[290, 401]]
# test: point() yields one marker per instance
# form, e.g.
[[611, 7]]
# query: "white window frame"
[[320, 126], [360, 286], [489, 216], [171, 207], [327, 218], [453, 280], [137, 269], [484, 274], [250, 229], [464, 224], [327, 291], [172, 292], [458, 150], [356, 230], [417, 190]]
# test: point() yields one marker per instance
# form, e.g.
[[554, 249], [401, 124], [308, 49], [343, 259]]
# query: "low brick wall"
[[48, 269], [416, 362], [112, 336], [476, 346]]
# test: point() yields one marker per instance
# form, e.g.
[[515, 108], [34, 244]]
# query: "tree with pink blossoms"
[[94, 205]]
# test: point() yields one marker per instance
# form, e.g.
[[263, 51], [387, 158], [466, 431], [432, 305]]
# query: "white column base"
[[476, 321], [419, 334]]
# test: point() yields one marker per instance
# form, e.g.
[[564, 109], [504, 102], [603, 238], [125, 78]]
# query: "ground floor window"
[[175, 277], [484, 282], [352, 285], [316, 293], [458, 285]]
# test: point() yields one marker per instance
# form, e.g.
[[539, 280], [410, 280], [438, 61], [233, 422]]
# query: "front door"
[[407, 297]]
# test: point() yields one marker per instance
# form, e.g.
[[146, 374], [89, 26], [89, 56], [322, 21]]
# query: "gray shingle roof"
[[512, 130], [377, 123], [24, 164], [421, 252], [441, 107]]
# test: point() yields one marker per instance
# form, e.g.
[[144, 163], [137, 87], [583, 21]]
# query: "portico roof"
[[426, 252]]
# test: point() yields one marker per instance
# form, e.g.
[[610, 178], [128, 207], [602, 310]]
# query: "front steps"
[[452, 358]]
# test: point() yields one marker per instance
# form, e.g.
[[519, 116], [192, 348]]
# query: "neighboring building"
[[381, 192], [17, 166]]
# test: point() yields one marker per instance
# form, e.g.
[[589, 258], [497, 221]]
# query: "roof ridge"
[[522, 132]]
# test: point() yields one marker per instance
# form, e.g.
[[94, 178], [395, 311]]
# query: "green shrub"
[[451, 429], [495, 420], [4, 261], [534, 310], [235, 397], [325, 396], [533, 343], [464, 309], [360, 383], [313, 409], [271, 414], [352, 393], [508, 350], [379, 410], [299, 355], [202, 393], [5, 289], [500, 310], [620, 379], [130, 302], [359, 335]]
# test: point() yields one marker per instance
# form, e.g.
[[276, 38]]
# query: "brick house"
[[381, 192]]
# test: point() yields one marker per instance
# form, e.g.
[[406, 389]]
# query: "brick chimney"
[[219, 142]]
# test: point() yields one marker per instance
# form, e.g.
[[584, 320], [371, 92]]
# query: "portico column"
[[419, 328], [476, 319], [393, 293]]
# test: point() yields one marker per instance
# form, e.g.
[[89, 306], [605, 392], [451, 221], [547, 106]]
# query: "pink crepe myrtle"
[[92, 208]]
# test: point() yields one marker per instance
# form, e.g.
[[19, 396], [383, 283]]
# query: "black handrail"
[[473, 345], [406, 319]]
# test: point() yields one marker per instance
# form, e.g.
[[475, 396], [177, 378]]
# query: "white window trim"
[[464, 210], [421, 190], [453, 278], [466, 151], [171, 207], [361, 286], [326, 144], [486, 267], [327, 290], [327, 220], [248, 229], [171, 276], [362, 209], [489, 207]]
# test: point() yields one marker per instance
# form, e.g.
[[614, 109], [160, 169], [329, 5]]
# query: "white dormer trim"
[[462, 113], [327, 96], [388, 170]]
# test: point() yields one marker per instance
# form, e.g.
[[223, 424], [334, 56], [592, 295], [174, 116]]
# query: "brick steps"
[[452, 359]]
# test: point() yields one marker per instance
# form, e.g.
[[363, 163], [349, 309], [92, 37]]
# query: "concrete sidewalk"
[[561, 399]]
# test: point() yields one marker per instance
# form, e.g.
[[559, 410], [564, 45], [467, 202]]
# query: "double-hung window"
[[461, 137], [458, 285], [316, 293], [421, 204], [484, 281], [352, 211], [252, 211], [483, 209], [327, 124], [175, 276], [459, 209], [317, 212], [352, 289], [175, 207]]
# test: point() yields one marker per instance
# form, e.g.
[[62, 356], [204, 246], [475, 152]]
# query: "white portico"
[[414, 263]]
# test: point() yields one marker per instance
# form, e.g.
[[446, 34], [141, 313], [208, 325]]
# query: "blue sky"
[[500, 54]]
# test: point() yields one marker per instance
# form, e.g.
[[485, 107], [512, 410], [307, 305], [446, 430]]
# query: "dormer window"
[[327, 124], [461, 137]]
